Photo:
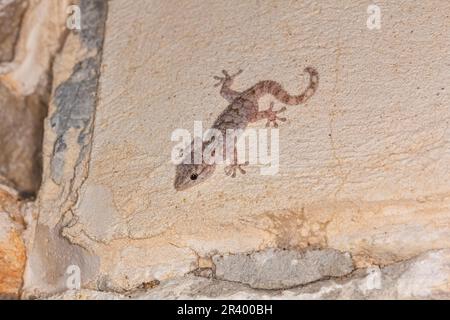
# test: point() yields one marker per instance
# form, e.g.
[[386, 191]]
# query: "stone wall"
[[360, 206]]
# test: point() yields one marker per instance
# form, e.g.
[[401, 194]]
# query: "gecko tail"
[[275, 89]]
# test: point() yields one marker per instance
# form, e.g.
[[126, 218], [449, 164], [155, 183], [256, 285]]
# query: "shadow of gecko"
[[243, 109]]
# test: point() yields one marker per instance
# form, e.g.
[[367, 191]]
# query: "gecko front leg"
[[270, 115], [226, 81], [231, 169]]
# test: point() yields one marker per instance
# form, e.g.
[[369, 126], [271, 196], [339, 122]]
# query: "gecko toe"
[[232, 169], [272, 116], [220, 80], [227, 171], [237, 73], [272, 123]]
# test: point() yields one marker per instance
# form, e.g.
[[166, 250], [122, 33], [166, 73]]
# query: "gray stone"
[[75, 99], [423, 277], [280, 269]]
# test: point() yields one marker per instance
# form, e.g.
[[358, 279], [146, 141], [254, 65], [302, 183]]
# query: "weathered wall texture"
[[425, 276], [30, 37], [66, 150], [364, 164], [12, 245]]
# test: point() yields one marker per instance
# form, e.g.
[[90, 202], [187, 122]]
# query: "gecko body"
[[242, 110]]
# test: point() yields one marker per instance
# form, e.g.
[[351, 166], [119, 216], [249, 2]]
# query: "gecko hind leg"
[[271, 116]]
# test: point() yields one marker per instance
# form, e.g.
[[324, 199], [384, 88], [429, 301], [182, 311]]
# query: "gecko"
[[242, 110]]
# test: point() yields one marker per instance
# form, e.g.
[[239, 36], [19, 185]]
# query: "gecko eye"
[[194, 176]]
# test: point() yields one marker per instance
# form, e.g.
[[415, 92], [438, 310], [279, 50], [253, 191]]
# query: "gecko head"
[[189, 175]]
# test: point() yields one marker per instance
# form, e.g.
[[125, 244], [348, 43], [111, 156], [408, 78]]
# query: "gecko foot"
[[272, 116], [231, 169], [226, 77]]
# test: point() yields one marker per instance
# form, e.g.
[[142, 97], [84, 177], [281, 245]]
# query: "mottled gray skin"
[[242, 110]]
